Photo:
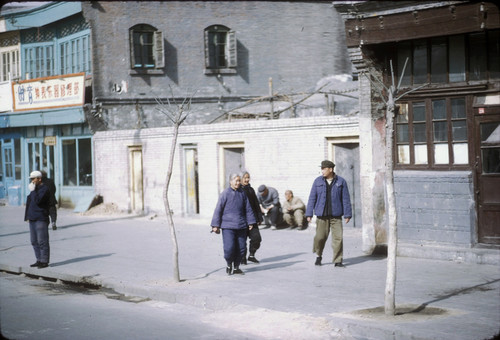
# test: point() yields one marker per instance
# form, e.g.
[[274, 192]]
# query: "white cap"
[[35, 174]]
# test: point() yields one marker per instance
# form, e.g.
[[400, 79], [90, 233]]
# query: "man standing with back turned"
[[329, 200]]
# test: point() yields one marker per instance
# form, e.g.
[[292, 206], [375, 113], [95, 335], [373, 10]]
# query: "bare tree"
[[177, 114], [390, 100]]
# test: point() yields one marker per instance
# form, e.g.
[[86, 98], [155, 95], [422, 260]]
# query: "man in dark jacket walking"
[[329, 200], [49, 182], [37, 213]]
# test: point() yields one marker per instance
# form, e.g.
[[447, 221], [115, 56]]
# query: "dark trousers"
[[39, 234], [53, 213], [234, 242], [255, 240], [272, 216]]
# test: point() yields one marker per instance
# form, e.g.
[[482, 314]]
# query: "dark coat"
[[233, 210], [340, 200], [49, 182], [254, 202], [38, 204]]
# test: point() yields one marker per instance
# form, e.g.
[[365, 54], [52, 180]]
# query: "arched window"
[[220, 48], [146, 47]]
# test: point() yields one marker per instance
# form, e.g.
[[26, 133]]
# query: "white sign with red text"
[[49, 92]]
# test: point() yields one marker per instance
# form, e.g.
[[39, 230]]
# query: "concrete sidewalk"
[[133, 255]]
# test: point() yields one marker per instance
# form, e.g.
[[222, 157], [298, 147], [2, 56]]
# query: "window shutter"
[[158, 51], [207, 50], [231, 53], [132, 56]]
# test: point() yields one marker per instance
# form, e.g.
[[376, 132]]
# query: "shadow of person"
[[79, 259]]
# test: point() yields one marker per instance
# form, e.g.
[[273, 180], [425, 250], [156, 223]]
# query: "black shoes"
[[339, 264], [229, 270], [318, 261], [238, 271], [36, 264], [252, 258], [43, 265]]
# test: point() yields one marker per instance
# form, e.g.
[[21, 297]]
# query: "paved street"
[[133, 256]]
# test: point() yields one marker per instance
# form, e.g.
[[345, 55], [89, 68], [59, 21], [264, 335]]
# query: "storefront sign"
[[49, 140], [50, 92]]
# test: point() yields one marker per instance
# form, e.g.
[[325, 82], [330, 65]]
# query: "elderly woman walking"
[[233, 214]]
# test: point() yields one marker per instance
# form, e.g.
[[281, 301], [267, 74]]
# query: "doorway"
[[41, 156], [191, 189], [10, 165], [344, 152], [136, 193], [232, 160], [487, 179]]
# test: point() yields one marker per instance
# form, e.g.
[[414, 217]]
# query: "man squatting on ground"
[[253, 233], [293, 210], [269, 201], [37, 213], [329, 200], [233, 214]]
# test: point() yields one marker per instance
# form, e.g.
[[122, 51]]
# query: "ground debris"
[[104, 209]]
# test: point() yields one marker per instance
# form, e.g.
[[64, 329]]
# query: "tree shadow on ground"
[[104, 220], [365, 258]]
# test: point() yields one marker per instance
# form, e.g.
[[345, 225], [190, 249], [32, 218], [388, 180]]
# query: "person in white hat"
[[37, 213]]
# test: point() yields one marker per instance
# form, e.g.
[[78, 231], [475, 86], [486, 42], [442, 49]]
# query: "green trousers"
[[323, 228]]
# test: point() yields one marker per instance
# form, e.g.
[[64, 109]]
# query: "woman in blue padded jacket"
[[233, 214]]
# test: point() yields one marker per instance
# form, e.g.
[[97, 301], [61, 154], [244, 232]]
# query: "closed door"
[[136, 179], [488, 178], [191, 180], [234, 162]]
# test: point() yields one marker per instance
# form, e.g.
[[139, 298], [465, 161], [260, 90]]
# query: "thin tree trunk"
[[390, 284], [175, 248]]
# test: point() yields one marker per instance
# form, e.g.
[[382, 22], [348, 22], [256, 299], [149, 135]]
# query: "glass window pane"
[[419, 112], [457, 58], [85, 161], [439, 109], [403, 154], [441, 154], [438, 60], [420, 62], [458, 108], [402, 133], [490, 133], [419, 133], [17, 155], [477, 56], [461, 153], [440, 131], [69, 162], [491, 160], [420, 154], [494, 53], [402, 113], [459, 130], [404, 52]]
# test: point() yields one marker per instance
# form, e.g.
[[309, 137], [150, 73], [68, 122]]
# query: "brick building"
[[45, 75], [286, 58], [446, 133]]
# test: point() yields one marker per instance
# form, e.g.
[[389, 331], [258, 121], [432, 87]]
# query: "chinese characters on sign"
[[50, 92]]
